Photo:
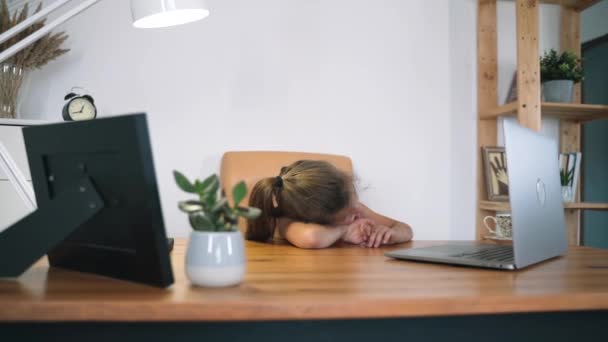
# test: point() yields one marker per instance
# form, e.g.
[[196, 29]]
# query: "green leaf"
[[200, 222], [564, 66], [219, 205], [198, 186], [249, 213], [205, 185], [190, 206], [230, 215], [209, 199], [183, 182], [239, 192], [213, 186], [230, 227]]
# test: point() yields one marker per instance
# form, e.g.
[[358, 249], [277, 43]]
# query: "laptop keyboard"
[[495, 253]]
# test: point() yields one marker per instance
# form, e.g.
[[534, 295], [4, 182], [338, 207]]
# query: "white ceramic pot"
[[215, 259]]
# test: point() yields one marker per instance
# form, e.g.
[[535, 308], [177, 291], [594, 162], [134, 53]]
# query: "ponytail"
[[262, 228]]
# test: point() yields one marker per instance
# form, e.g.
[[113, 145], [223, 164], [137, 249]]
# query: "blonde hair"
[[306, 191]]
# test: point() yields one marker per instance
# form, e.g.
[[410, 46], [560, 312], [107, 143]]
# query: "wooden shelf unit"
[[528, 108], [567, 111], [504, 206]]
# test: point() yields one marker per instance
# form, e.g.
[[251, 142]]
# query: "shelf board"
[[504, 206], [572, 111], [578, 5], [23, 122]]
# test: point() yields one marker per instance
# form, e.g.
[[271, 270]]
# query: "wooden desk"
[[336, 294], [286, 283]]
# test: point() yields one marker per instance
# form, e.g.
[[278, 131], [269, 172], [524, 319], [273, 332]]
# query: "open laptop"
[[537, 212]]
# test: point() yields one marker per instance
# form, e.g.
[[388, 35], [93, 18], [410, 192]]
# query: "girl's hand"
[[358, 231], [380, 235]]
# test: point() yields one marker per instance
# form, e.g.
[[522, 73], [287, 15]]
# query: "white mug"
[[503, 227]]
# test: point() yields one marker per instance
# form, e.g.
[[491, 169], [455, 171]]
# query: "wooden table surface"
[[285, 283]]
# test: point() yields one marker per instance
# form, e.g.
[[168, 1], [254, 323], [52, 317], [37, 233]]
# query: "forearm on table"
[[402, 232], [313, 236]]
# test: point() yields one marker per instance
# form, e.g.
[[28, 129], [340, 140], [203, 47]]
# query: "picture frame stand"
[[28, 240]]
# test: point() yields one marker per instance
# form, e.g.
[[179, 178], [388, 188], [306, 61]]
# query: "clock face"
[[81, 109]]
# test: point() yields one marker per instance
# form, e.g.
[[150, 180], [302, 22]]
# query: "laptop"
[[537, 212]]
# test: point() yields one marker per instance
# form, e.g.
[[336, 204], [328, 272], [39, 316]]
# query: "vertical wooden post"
[[487, 98], [528, 67], [570, 131], [570, 38]]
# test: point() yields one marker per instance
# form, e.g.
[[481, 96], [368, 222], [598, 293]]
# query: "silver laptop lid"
[[537, 211]]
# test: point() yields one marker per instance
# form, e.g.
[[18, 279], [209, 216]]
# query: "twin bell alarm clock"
[[79, 107]]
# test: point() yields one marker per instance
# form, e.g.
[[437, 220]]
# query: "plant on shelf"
[[35, 56], [216, 250], [211, 212], [564, 66], [566, 178], [559, 73]]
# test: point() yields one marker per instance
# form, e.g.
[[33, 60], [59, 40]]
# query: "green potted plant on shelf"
[[216, 250], [566, 178], [559, 73]]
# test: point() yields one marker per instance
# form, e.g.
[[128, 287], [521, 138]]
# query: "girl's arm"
[[387, 230], [309, 235]]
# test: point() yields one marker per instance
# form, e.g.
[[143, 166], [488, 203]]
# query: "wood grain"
[[287, 283], [570, 135], [570, 131], [528, 68], [487, 95], [582, 5], [570, 38], [504, 206], [570, 111], [577, 5]]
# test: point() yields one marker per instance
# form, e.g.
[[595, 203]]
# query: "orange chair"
[[251, 166]]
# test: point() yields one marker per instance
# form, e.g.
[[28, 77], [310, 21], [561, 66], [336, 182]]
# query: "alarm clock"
[[79, 107]]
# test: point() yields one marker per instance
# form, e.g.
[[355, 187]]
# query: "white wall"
[[594, 21], [462, 42], [368, 80], [390, 83]]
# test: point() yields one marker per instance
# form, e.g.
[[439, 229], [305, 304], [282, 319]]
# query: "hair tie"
[[278, 182], [275, 212]]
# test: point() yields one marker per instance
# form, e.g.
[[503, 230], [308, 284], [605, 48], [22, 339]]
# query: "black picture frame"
[[127, 238]]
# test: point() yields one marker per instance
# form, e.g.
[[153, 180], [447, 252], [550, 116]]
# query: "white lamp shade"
[[164, 13]]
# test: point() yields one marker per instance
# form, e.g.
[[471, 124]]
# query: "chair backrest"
[[252, 166]]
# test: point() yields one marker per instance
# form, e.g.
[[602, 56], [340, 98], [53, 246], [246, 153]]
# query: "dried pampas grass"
[[37, 54]]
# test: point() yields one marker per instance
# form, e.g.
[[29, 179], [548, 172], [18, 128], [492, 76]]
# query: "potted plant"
[[216, 250], [566, 181], [559, 73]]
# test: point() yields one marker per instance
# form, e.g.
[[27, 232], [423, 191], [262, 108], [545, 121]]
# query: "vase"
[[558, 91], [11, 80], [215, 259], [567, 194]]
